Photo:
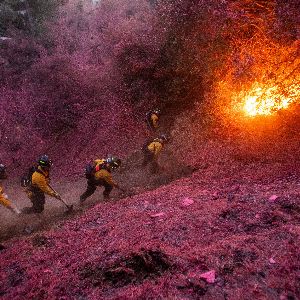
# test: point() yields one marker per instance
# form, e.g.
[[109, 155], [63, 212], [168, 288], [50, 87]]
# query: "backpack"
[[89, 171], [26, 180]]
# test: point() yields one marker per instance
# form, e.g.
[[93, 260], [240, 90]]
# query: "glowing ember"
[[261, 77], [266, 101]]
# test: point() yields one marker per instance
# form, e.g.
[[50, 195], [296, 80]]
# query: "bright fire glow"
[[269, 100], [261, 79]]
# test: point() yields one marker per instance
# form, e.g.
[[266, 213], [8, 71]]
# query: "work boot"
[[31, 210]]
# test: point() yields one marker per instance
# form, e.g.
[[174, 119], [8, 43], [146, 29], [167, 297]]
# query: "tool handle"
[[59, 197]]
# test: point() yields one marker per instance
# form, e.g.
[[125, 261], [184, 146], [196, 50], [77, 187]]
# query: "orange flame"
[[260, 78], [268, 100]]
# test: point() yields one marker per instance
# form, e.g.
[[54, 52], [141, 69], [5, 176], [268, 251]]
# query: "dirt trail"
[[153, 245], [132, 177]]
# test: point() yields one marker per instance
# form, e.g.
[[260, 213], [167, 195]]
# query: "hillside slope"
[[241, 221]]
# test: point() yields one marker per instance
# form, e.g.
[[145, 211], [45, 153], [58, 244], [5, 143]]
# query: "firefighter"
[[39, 186], [3, 197], [152, 150], [152, 119], [100, 175]]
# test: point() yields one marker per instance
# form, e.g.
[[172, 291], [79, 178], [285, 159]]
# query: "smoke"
[[88, 78]]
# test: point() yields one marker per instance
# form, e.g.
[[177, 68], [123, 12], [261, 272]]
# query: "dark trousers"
[[37, 198], [149, 158], [151, 126], [91, 188]]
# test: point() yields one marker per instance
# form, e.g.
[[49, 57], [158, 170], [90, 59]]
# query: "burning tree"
[[263, 77], [248, 58], [260, 76]]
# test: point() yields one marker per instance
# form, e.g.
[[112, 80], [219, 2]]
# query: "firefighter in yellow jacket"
[[100, 175], [3, 197], [152, 149], [152, 118], [39, 186]]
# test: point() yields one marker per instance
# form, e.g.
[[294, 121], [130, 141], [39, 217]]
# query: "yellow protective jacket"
[[3, 200], [154, 119], [106, 176], [99, 161], [155, 147], [40, 179]]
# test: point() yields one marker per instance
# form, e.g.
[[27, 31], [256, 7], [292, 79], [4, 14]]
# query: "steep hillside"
[[241, 222], [220, 218]]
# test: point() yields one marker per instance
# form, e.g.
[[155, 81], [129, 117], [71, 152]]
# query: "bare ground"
[[152, 246]]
